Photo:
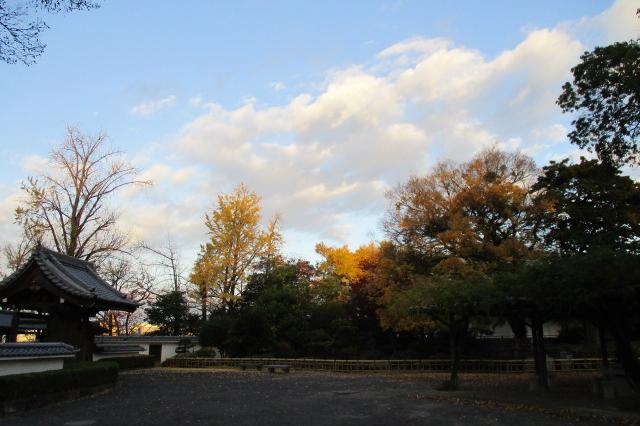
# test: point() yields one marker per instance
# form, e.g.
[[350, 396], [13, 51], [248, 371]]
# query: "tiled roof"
[[73, 276], [119, 349], [16, 350], [135, 339]]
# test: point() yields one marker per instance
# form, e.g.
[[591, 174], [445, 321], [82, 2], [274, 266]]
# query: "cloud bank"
[[324, 158]]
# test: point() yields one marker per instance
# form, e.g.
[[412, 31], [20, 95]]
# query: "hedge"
[[132, 362], [74, 376]]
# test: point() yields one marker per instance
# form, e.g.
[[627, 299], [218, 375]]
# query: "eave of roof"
[[52, 265], [36, 350]]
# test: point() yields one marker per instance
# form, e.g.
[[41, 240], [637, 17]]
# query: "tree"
[[605, 95], [15, 255], [237, 243], [281, 296], [448, 302], [358, 280], [215, 332], [594, 228], [166, 263], [349, 266], [479, 212], [592, 205], [463, 223], [200, 277], [68, 207], [20, 30], [170, 312], [132, 280]]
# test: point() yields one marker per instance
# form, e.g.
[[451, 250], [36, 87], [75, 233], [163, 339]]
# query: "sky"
[[319, 107]]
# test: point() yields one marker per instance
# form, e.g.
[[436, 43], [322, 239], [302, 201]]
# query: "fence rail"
[[436, 365]]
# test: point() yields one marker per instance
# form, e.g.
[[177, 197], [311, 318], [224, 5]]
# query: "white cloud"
[[277, 85], [196, 101], [553, 133], [8, 205], [618, 23], [160, 172], [152, 107], [325, 157], [35, 164], [410, 50]]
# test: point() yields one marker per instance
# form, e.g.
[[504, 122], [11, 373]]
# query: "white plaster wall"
[[22, 366], [549, 329], [146, 349], [98, 357], [169, 350]]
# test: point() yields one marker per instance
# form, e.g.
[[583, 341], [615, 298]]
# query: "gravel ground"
[[184, 397]]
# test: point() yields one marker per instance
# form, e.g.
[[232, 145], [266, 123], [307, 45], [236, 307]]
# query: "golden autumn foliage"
[[237, 242], [479, 211], [350, 266]]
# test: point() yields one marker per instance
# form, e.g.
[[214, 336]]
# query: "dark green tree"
[[444, 302], [593, 229], [170, 312], [250, 334], [215, 332], [591, 205], [605, 95]]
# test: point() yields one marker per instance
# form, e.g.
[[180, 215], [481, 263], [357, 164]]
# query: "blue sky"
[[318, 106]]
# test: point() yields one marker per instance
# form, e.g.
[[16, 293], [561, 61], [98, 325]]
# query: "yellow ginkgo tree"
[[237, 242]]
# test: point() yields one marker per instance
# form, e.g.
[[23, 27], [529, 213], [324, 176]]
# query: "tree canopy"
[[171, 313], [591, 205], [67, 206], [237, 243], [476, 211], [605, 96]]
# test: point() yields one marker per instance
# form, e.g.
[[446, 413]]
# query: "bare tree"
[[166, 262], [124, 275], [16, 254], [68, 207], [20, 28]]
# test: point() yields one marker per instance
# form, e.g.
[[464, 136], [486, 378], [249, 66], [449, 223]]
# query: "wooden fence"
[[436, 365]]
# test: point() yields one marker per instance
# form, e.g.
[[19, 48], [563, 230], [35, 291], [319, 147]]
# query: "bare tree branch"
[[67, 207], [20, 29]]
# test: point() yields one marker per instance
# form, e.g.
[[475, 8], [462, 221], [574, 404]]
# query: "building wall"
[[98, 357], [168, 351], [549, 329], [29, 365]]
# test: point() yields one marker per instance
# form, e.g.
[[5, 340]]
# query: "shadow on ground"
[[172, 397]]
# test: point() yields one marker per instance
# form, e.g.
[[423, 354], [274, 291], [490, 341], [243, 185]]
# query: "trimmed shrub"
[[215, 332], [132, 362], [74, 376]]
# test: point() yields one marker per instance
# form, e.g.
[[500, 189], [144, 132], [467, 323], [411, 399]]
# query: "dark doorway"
[[156, 352]]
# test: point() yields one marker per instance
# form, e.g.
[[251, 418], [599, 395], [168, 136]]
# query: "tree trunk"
[[203, 307], [126, 324], [457, 329], [602, 334], [539, 354], [110, 322], [519, 328], [455, 360], [626, 356]]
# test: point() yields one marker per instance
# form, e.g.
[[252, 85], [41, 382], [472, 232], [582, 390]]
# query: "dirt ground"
[[212, 397]]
